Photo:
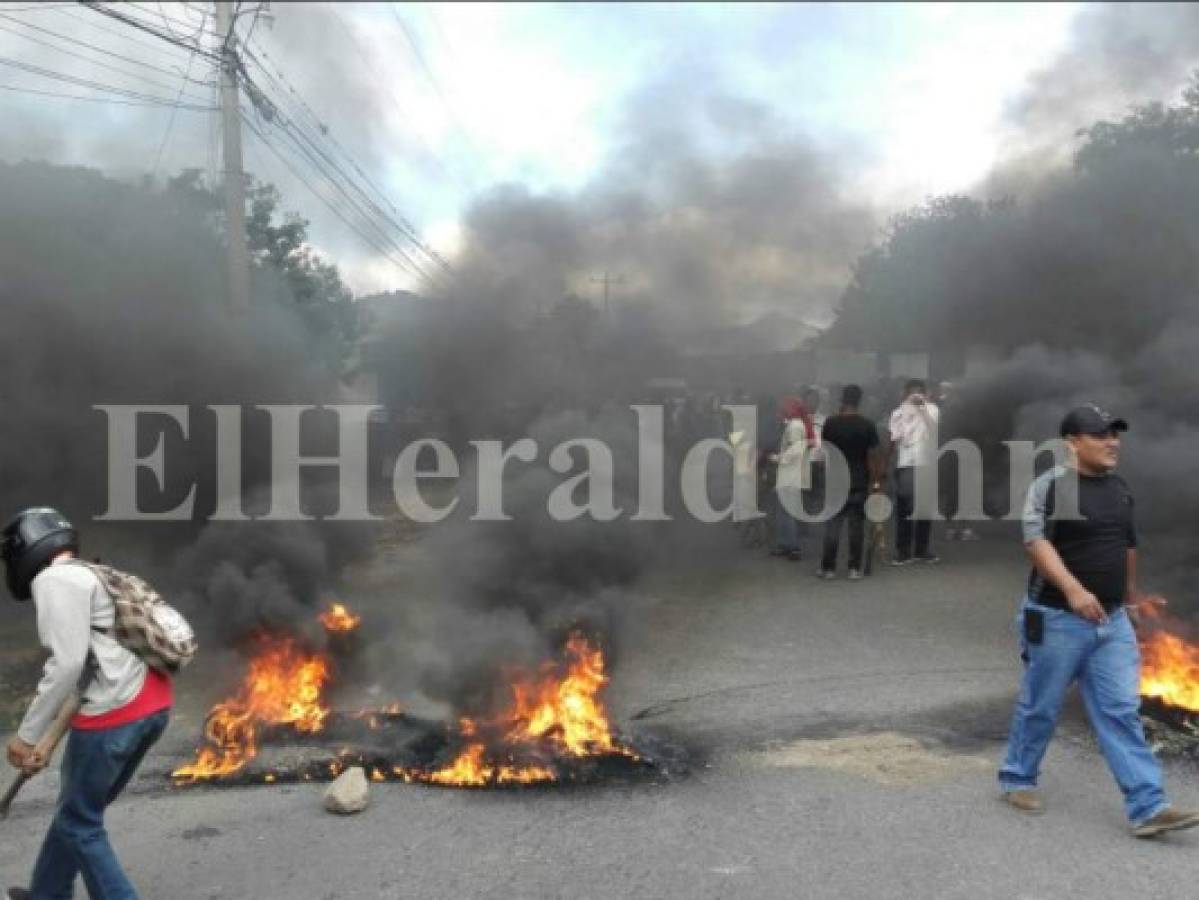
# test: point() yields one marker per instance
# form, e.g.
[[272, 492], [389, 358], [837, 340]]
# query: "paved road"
[[844, 739]]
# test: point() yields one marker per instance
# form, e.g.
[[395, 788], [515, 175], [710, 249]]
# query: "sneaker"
[[795, 556], [901, 561], [1025, 800], [855, 574], [826, 574], [928, 558], [1169, 819], [17, 894]]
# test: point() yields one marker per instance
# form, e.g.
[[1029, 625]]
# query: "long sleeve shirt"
[[71, 602]]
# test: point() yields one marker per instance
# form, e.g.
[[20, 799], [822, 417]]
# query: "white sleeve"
[[64, 626]]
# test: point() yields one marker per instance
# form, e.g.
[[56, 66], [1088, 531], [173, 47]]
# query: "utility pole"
[[234, 179], [607, 280]]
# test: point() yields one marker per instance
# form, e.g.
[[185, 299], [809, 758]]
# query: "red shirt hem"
[[156, 694]]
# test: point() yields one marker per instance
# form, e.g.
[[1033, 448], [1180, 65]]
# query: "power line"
[[89, 60], [150, 29], [93, 47], [418, 53], [171, 123], [402, 225], [186, 107], [156, 46], [332, 207], [86, 82], [184, 23]]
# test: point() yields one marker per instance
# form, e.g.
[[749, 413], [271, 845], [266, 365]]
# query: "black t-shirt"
[[1094, 548], [854, 435]]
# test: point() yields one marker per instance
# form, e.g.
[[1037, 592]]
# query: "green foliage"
[[1101, 255], [286, 270]]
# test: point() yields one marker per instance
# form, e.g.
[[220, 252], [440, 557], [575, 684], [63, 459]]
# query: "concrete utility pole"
[[607, 280], [234, 179]]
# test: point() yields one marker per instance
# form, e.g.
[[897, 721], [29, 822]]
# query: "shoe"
[[1026, 800], [17, 894], [826, 574], [855, 574], [1169, 819], [795, 556], [929, 558], [901, 561]]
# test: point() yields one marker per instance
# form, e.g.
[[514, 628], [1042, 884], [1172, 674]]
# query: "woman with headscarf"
[[797, 441]]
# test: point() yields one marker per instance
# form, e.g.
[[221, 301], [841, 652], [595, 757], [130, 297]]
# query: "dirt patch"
[[888, 757]]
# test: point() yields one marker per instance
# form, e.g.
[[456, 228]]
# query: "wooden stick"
[[45, 748]]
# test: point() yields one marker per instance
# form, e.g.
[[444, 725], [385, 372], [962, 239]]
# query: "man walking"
[[856, 438], [125, 706], [913, 427], [1080, 535]]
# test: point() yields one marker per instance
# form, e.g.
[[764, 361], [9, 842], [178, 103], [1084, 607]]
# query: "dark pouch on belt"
[[1034, 626]]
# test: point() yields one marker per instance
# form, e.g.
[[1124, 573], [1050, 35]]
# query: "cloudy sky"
[[435, 103]]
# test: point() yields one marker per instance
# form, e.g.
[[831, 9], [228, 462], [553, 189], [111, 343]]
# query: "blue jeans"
[[1106, 663], [786, 526], [96, 766]]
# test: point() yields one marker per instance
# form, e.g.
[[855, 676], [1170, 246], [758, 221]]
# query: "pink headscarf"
[[793, 408]]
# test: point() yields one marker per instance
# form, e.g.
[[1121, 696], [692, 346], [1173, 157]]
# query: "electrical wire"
[[93, 47], [86, 82], [94, 62], [325, 200], [186, 107], [171, 123], [149, 29], [397, 221]]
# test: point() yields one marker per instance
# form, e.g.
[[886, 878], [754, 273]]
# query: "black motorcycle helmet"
[[29, 541]]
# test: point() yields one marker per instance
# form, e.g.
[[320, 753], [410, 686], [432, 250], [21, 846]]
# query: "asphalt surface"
[[842, 739]]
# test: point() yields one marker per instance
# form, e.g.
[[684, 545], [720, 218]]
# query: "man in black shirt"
[[857, 439], [1079, 533]]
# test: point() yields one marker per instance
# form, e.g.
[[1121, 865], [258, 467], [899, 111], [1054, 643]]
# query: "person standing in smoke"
[[125, 706], [793, 476], [1080, 535], [913, 428], [855, 438], [813, 401]]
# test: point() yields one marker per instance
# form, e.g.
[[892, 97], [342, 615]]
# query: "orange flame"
[[339, 620], [559, 707], [284, 686], [1169, 663]]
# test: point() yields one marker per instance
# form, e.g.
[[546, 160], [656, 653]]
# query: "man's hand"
[[1086, 605], [24, 756]]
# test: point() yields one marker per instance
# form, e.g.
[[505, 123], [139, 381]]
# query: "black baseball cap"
[[1090, 419]]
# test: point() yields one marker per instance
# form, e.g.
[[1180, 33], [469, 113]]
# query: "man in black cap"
[[1080, 535]]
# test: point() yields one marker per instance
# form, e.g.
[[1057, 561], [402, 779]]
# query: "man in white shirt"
[[125, 706], [913, 429]]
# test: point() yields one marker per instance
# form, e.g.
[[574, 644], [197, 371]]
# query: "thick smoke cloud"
[[114, 294], [1083, 286], [1117, 55]]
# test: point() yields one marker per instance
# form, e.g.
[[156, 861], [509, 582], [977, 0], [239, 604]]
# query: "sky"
[[436, 103]]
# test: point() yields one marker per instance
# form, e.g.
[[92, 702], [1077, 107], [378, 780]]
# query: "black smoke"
[[114, 293]]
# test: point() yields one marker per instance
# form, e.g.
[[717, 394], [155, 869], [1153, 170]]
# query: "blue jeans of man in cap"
[[1105, 661], [96, 766]]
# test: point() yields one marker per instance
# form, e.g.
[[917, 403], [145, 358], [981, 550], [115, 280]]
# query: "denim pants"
[[853, 512], [786, 526], [912, 533], [96, 766], [1105, 661]]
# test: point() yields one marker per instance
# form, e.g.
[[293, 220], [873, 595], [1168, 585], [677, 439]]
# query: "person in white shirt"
[[913, 430], [124, 705]]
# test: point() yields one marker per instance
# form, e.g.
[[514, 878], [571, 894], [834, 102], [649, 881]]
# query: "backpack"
[[145, 624]]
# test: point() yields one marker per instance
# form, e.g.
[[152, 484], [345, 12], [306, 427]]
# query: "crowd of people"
[[882, 446]]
